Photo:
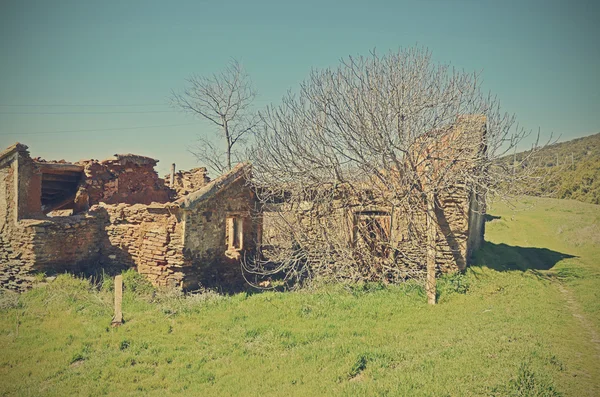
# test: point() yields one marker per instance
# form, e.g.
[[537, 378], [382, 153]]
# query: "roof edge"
[[190, 200], [17, 147]]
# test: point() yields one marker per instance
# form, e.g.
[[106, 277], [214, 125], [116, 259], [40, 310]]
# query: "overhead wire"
[[101, 112], [81, 105], [96, 129], [85, 112]]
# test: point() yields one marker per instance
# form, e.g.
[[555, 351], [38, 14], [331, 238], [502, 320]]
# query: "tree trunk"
[[228, 139], [229, 157], [431, 248]]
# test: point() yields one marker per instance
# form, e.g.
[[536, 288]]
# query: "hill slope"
[[574, 168]]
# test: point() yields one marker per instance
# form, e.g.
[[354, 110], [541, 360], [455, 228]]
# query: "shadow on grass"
[[489, 218], [502, 257]]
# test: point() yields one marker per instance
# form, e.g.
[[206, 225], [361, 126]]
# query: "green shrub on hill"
[[572, 167]]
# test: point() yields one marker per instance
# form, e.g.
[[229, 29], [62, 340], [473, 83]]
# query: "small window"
[[235, 233], [372, 230]]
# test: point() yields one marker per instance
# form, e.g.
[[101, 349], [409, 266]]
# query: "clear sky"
[[87, 79]]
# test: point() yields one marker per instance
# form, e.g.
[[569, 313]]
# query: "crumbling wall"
[[452, 212], [12, 274], [63, 243], [31, 242], [332, 224], [8, 192], [18, 178], [186, 182], [452, 233], [124, 219], [20, 193], [206, 235], [49, 245], [126, 179], [149, 238]]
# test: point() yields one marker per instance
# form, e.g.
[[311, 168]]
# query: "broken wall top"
[[124, 178], [15, 148], [211, 189], [129, 158], [186, 182]]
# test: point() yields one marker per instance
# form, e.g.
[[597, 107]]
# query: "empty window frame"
[[372, 231], [235, 233]]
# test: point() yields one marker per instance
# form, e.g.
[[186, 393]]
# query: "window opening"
[[235, 235], [372, 230]]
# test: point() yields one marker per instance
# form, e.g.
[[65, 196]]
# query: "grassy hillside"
[[520, 323], [574, 169]]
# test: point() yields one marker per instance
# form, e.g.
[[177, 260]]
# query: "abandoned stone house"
[[187, 230], [359, 224], [59, 216]]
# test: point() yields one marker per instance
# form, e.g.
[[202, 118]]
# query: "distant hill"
[[574, 168]]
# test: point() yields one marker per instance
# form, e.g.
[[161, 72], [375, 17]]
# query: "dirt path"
[[575, 309]]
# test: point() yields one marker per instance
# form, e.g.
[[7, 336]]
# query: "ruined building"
[[58, 216], [187, 230], [357, 230]]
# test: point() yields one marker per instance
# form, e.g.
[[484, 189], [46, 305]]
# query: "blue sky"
[[541, 58]]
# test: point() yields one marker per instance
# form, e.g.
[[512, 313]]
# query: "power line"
[[80, 105], [96, 130], [110, 112]]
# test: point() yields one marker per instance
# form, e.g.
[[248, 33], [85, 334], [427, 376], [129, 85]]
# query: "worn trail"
[[576, 311]]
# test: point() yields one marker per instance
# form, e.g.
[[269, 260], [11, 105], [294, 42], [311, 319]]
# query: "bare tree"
[[397, 132], [224, 99]]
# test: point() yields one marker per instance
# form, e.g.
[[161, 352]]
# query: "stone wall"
[[20, 192], [8, 192], [186, 182], [126, 219], [124, 179], [331, 226], [150, 238], [198, 239], [61, 243], [321, 226], [14, 274], [206, 241], [31, 242], [49, 246], [452, 212]]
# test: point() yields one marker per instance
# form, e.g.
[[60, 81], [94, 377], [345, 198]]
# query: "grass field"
[[521, 322]]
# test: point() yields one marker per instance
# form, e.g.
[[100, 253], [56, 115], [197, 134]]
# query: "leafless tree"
[[396, 131], [225, 100]]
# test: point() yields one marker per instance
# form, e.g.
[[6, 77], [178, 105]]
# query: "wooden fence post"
[[118, 318]]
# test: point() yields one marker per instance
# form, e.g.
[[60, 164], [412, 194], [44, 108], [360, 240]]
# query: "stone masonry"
[[194, 233], [125, 216]]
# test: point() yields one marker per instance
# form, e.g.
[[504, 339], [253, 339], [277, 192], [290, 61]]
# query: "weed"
[[366, 287], [124, 345], [359, 365], [76, 357], [39, 277], [527, 383], [456, 283], [138, 284], [107, 282], [9, 300]]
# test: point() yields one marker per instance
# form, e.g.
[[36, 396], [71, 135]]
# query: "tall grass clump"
[[9, 300], [452, 284], [137, 284], [527, 383]]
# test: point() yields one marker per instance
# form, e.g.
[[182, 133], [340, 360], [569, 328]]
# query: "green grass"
[[568, 232], [503, 328]]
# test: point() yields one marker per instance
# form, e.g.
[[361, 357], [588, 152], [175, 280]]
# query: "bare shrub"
[[377, 135]]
